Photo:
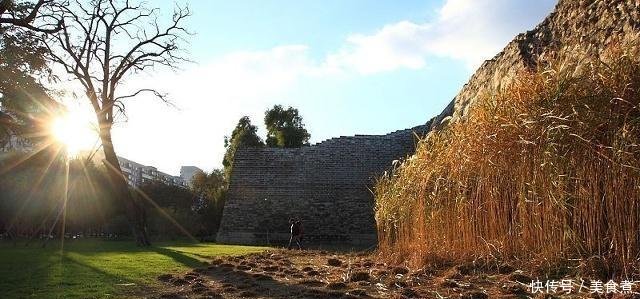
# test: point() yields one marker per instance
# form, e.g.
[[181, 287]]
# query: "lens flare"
[[74, 130]]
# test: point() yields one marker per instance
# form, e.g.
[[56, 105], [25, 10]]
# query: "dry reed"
[[547, 169]]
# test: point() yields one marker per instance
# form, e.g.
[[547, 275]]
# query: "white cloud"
[[242, 75], [467, 30], [212, 96], [395, 46]]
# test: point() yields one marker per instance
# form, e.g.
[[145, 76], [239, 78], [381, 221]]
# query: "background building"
[[138, 174], [187, 173]]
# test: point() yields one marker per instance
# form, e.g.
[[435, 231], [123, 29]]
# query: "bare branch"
[[161, 96], [9, 17], [90, 47]]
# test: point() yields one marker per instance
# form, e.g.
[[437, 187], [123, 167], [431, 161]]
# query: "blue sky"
[[349, 66]]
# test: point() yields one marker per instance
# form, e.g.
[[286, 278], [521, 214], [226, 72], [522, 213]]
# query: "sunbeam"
[[65, 200], [91, 184], [37, 184], [12, 164]]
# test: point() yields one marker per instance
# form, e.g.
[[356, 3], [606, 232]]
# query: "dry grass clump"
[[548, 168]]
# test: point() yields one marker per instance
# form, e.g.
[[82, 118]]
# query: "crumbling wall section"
[[327, 185]]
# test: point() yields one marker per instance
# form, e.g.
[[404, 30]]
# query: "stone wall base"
[[282, 239]]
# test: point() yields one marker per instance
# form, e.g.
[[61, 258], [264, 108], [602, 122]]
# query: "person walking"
[[296, 235], [300, 232]]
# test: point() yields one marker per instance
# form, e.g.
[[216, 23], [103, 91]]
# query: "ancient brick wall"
[[327, 185]]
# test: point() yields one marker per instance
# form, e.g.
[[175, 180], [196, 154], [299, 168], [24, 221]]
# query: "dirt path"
[[319, 274]]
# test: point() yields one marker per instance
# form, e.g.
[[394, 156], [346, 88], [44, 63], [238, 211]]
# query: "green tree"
[[285, 128], [22, 64], [244, 135], [173, 205], [211, 189], [169, 196], [26, 104]]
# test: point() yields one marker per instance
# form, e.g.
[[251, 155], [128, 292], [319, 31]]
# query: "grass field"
[[98, 269]]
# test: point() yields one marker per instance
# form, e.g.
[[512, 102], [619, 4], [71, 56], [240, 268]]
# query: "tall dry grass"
[[547, 169]]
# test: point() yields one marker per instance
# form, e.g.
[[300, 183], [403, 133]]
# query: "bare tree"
[[100, 44], [27, 14]]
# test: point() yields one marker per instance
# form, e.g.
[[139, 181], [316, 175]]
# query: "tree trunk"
[[134, 209]]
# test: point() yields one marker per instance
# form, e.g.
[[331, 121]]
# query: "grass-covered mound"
[[547, 169]]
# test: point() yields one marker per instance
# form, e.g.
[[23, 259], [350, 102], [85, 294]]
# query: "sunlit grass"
[[98, 269]]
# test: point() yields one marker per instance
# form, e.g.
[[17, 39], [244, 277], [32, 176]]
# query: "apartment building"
[[187, 173], [138, 174]]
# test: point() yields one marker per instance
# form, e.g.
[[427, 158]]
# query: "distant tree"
[[211, 190], [169, 196], [208, 185], [173, 204], [285, 128], [244, 135], [103, 42]]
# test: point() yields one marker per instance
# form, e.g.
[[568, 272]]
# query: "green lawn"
[[98, 269]]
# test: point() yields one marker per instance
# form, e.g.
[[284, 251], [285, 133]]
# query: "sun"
[[74, 131]]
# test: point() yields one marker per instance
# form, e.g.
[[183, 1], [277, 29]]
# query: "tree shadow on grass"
[[112, 283], [178, 256], [66, 277], [182, 257], [80, 269], [211, 255], [22, 281], [187, 258], [112, 277], [200, 255], [128, 286]]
